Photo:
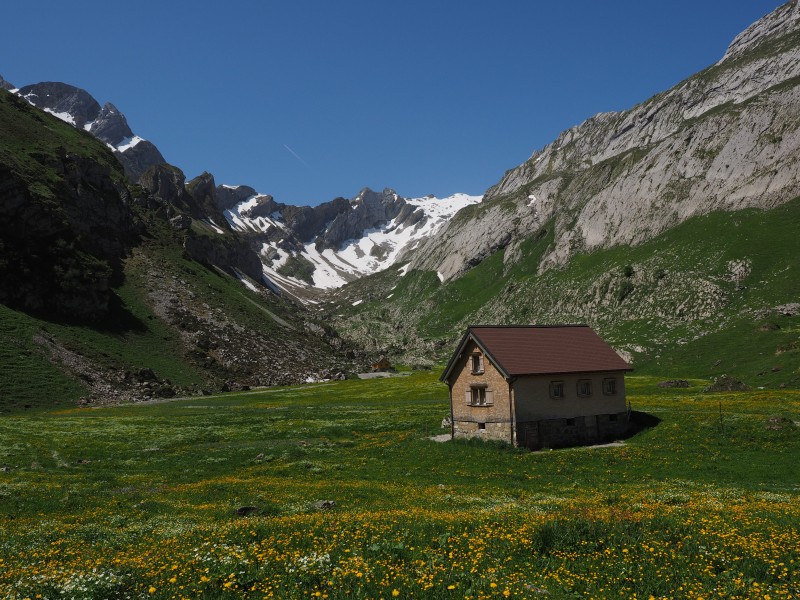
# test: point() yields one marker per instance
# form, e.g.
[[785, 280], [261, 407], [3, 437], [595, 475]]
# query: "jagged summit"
[[79, 108], [783, 20], [304, 249]]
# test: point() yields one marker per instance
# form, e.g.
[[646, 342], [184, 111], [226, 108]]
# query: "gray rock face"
[[369, 209], [725, 139], [5, 85], [137, 159], [110, 125], [62, 98], [106, 123], [166, 185], [780, 22], [309, 221], [228, 197]]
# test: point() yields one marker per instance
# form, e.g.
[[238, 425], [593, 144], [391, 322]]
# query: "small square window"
[[584, 387], [556, 389], [570, 422], [482, 426], [612, 417], [609, 387], [479, 395]]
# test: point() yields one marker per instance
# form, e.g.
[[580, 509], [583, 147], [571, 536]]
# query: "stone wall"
[[575, 431], [490, 421]]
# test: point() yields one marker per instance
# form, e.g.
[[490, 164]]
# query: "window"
[[482, 426], [609, 386], [584, 387], [479, 395], [612, 417], [556, 389], [570, 422], [477, 364]]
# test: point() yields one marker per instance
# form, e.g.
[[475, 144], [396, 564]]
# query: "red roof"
[[539, 350]]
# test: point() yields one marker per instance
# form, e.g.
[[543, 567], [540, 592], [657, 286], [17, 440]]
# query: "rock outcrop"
[[725, 139], [78, 107], [110, 125], [62, 99], [65, 220], [368, 209]]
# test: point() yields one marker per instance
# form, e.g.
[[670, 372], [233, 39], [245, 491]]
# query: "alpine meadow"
[[206, 392]]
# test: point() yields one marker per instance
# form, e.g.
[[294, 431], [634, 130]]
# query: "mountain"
[[111, 291], [670, 227], [307, 249], [79, 108], [724, 139], [304, 250]]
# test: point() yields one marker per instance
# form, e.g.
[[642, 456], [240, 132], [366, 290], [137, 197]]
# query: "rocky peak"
[[229, 196], [62, 98], [265, 207], [778, 23], [166, 184], [203, 191], [309, 221], [111, 126], [5, 85], [369, 209]]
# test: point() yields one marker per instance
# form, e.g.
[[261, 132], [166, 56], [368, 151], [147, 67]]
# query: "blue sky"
[[309, 100]]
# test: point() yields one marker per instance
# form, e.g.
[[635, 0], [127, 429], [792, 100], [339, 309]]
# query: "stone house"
[[537, 386]]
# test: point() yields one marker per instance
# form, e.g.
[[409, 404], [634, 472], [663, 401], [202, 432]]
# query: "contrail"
[[297, 156]]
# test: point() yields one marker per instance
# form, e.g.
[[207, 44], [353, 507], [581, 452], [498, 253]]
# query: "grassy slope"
[[131, 338], [680, 311], [32, 139], [141, 497]]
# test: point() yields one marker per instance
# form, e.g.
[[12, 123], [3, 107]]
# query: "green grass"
[[33, 141], [139, 501]]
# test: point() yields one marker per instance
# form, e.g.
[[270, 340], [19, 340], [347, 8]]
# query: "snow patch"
[[357, 302], [64, 116], [247, 283], [129, 143], [214, 226]]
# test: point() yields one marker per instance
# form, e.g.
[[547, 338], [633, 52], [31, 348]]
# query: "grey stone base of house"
[[577, 431], [486, 431], [550, 433]]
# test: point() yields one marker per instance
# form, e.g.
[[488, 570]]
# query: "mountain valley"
[[671, 228]]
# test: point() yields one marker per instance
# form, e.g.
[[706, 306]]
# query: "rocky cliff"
[[725, 139]]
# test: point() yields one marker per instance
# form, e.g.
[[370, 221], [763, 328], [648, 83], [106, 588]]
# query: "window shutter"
[[469, 396], [489, 396], [480, 363]]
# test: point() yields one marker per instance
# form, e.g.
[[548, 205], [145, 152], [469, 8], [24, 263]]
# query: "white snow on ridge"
[[376, 250], [64, 116], [129, 143], [394, 238], [239, 222]]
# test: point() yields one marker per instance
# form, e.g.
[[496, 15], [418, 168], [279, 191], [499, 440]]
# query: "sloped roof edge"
[[576, 349]]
